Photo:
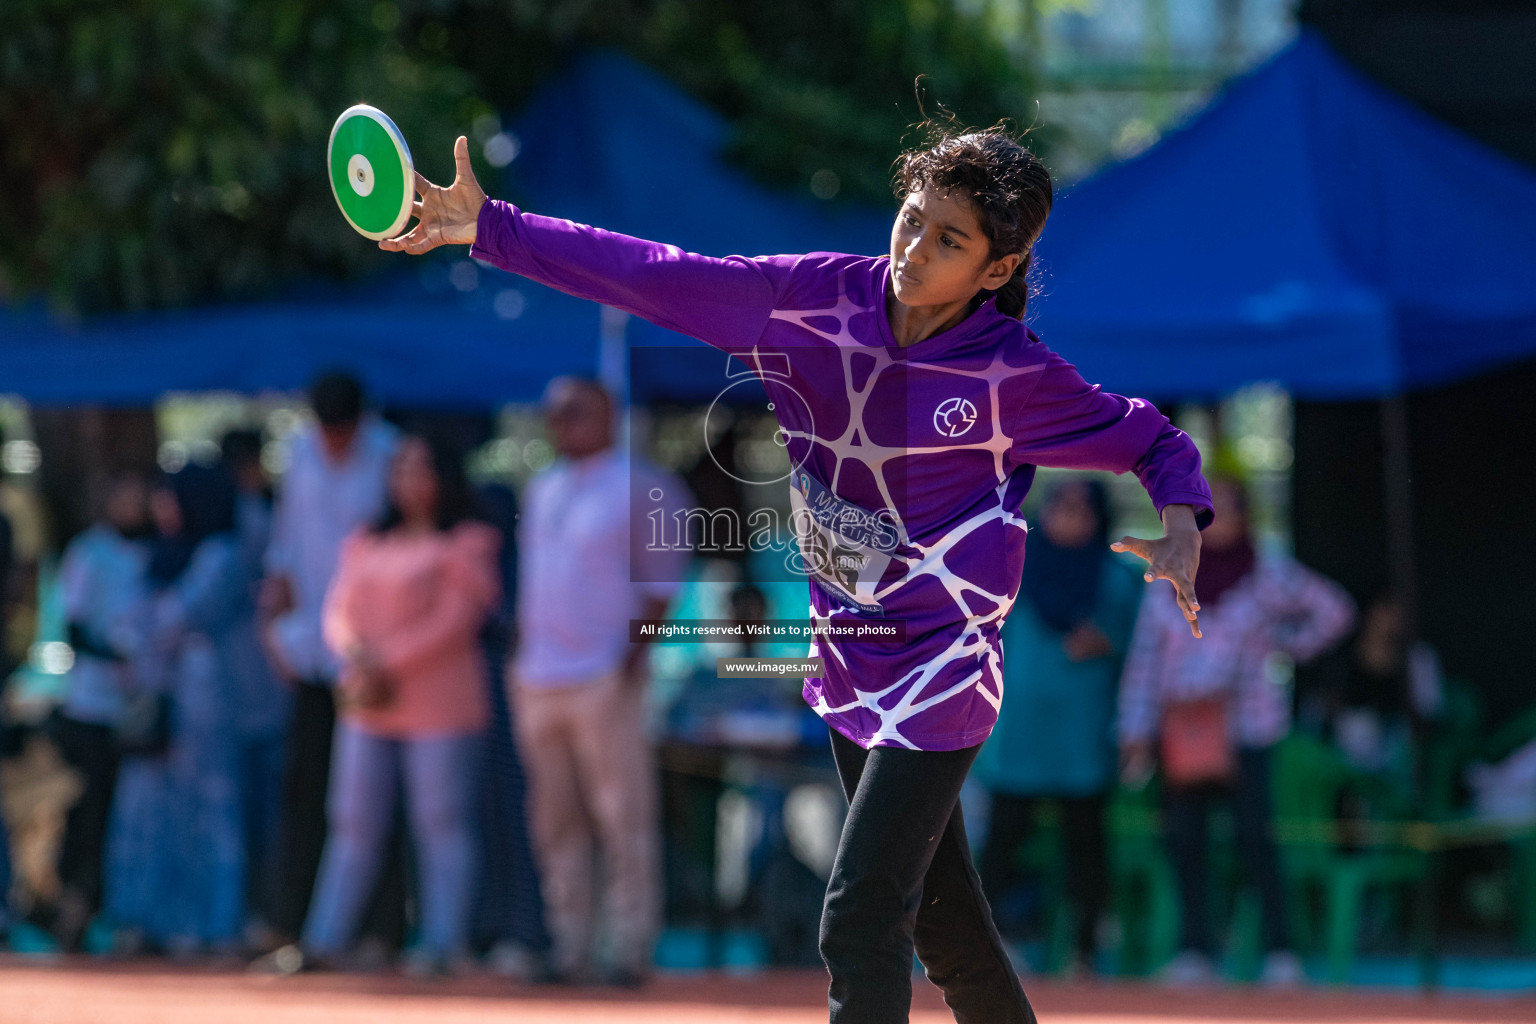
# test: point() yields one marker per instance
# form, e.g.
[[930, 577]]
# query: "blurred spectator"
[[578, 683], [5, 883], [1054, 740], [264, 703], [404, 613], [692, 789], [7, 580], [7, 561], [1213, 709], [101, 579], [240, 452], [749, 606], [176, 861], [1386, 689], [335, 483], [509, 909]]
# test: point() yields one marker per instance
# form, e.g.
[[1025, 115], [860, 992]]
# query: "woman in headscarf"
[[176, 856], [1207, 717], [1054, 740]]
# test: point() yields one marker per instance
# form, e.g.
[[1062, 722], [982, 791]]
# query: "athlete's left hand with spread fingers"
[[1175, 557], [444, 216]]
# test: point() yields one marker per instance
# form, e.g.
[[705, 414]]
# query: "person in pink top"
[[404, 614]]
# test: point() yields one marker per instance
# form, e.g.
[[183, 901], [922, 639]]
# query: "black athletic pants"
[[903, 881]]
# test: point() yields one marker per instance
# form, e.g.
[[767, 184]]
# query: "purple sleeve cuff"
[[1204, 516], [489, 227], [1171, 473]]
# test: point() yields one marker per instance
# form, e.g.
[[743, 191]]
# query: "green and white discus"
[[372, 176]]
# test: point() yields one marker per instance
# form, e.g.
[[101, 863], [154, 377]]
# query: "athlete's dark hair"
[[1006, 183]]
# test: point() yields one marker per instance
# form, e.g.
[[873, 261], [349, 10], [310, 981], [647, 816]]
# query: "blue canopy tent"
[[1312, 228], [446, 333], [1307, 227], [614, 144]]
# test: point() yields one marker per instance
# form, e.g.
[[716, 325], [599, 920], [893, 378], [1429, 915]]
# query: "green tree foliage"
[[161, 152], [810, 85], [830, 86], [164, 152]]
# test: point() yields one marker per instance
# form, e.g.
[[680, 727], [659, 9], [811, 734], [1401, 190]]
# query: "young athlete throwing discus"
[[917, 405]]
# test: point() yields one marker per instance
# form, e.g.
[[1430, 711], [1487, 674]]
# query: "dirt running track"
[[83, 992]]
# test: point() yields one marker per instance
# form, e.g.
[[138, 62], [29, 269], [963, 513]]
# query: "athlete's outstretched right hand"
[[444, 216]]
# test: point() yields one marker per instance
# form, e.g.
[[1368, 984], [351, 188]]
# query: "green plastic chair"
[[1495, 747], [1145, 892], [1522, 852], [1234, 899], [1147, 895], [1459, 738], [1043, 854], [1456, 738], [1308, 778]]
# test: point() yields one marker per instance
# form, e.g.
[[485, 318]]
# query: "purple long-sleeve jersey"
[[910, 463]]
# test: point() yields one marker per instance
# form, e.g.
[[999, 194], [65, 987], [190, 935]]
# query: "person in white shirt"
[[335, 482], [578, 683], [101, 582]]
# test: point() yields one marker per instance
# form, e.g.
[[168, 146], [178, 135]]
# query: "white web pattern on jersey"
[[930, 558]]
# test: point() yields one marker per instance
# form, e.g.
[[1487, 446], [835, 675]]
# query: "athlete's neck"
[[912, 324]]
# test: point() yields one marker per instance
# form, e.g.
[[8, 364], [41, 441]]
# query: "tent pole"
[[613, 368], [613, 352], [1402, 571]]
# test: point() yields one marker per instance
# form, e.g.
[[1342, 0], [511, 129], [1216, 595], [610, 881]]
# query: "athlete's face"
[[940, 254]]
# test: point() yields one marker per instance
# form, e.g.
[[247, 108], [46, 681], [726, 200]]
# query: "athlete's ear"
[[999, 271]]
